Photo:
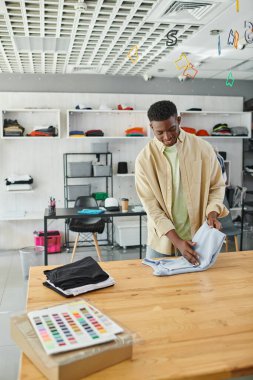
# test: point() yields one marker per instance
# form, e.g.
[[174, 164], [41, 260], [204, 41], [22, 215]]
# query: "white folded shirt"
[[21, 186], [85, 288], [14, 178]]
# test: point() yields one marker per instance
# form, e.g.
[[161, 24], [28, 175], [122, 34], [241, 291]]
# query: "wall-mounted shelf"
[[108, 111], [207, 120], [31, 119], [113, 123], [19, 191]]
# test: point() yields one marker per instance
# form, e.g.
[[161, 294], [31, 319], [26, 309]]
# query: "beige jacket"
[[202, 183]]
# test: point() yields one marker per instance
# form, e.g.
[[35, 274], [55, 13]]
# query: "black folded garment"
[[29, 182], [81, 272], [94, 132]]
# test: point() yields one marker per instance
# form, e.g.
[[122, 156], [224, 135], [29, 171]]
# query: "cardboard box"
[[74, 364]]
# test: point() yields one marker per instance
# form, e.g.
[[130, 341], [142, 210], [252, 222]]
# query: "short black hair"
[[162, 110]]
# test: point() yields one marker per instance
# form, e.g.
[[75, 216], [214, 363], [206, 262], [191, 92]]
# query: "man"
[[179, 182]]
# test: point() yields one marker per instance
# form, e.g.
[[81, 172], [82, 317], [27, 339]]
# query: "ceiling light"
[[182, 78], [215, 32], [147, 77], [80, 6]]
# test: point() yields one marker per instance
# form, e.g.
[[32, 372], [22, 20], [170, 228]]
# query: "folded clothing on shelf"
[[12, 128], [124, 108], [19, 179], [239, 131], [42, 131], [19, 187], [76, 134], [221, 129], [202, 132], [189, 130], [83, 107], [135, 131], [94, 132], [78, 277]]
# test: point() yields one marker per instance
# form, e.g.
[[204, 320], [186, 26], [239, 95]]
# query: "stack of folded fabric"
[[12, 128], [76, 134], [19, 182], [44, 131], [189, 130], [124, 108], [202, 132], [221, 129], [83, 107], [76, 278], [135, 131], [239, 131], [94, 132]]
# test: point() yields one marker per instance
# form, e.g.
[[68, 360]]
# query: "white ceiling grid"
[[100, 37]]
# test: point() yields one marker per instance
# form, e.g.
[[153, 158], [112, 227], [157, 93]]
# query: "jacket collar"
[[180, 140]]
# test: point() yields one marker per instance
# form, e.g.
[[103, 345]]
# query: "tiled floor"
[[13, 298]]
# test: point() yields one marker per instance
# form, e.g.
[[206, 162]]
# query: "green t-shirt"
[[179, 210]]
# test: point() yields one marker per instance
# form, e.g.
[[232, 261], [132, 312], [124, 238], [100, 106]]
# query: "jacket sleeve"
[[155, 213], [217, 189]]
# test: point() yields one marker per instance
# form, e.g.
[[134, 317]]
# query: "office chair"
[[87, 225], [228, 227]]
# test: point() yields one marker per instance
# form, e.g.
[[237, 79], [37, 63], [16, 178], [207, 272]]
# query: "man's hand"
[[213, 221], [184, 246]]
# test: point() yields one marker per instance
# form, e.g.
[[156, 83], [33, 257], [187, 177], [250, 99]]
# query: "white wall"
[[43, 159]]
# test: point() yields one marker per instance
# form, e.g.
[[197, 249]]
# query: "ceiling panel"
[[118, 37]]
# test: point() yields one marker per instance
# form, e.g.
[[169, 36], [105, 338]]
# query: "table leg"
[[45, 241], [140, 238], [242, 221]]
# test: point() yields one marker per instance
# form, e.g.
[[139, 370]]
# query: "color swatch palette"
[[71, 326]]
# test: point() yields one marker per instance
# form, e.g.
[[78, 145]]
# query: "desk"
[[196, 326], [68, 213]]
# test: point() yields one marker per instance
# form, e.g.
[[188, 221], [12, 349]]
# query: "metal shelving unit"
[[68, 182]]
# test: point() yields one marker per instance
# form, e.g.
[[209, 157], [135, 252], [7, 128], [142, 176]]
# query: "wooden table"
[[191, 326]]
